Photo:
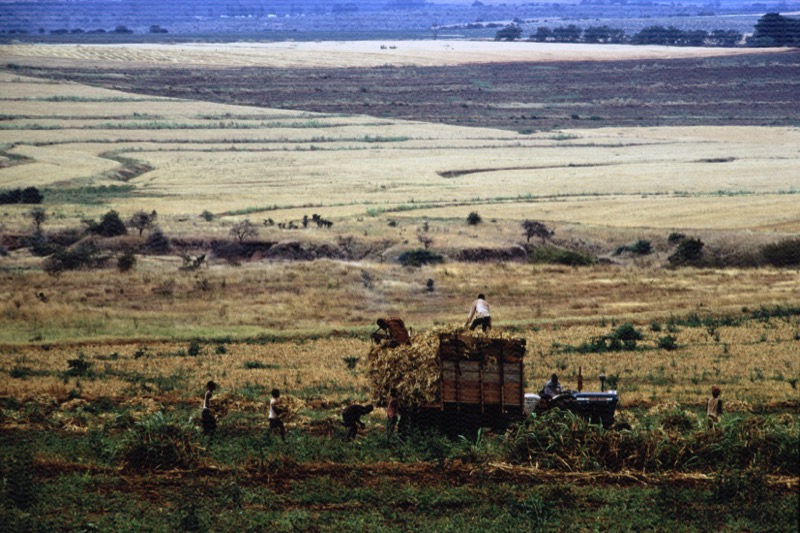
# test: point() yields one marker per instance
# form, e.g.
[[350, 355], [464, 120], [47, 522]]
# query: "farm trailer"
[[481, 384]]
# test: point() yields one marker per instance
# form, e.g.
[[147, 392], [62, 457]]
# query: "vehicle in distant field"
[[478, 382]]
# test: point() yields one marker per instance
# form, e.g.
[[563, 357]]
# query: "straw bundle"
[[412, 369], [415, 369], [289, 407]]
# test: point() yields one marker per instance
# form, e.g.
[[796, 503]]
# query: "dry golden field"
[[275, 164], [379, 180], [340, 54]]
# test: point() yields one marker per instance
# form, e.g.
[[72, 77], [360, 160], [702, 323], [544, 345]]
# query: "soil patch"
[[752, 89]]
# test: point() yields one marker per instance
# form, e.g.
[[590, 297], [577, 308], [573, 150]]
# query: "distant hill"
[[41, 18]]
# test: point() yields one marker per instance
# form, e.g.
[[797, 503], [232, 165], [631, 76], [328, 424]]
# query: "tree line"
[[772, 29], [28, 195]]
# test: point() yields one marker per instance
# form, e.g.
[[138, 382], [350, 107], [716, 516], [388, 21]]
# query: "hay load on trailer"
[[453, 379]]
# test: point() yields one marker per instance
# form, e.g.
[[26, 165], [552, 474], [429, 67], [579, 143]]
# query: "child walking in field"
[[714, 407], [275, 422], [207, 420]]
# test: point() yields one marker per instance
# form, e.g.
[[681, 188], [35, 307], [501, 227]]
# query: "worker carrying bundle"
[[391, 331]]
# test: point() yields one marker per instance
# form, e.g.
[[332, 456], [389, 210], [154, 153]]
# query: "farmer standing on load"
[[480, 311], [392, 331]]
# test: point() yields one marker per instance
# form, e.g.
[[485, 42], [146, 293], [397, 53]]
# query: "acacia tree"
[[534, 228], [39, 216], [142, 220], [244, 230], [511, 32]]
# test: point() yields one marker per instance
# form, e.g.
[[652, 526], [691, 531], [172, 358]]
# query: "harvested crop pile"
[[414, 370], [289, 408]]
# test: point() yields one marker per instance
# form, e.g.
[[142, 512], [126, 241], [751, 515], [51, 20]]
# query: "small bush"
[[624, 337], [40, 246], [628, 335], [640, 247], [157, 243], [127, 261], [689, 252], [231, 251], [674, 238], [419, 257], [667, 342], [78, 367], [473, 219], [559, 256], [111, 225], [195, 348], [785, 253], [85, 255]]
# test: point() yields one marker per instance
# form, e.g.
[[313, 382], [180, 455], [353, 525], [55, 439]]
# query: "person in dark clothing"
[[714, 407], [552, 388], [207, 419], [275, 422], [351, 418], [392, 331]]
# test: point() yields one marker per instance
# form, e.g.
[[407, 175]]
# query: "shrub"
[[674, 238], [559, 256], [40, 246], [628, 335], [640, 247], [28, 195], [84, 255], [689, 252], [668, 343], [78, 367], [195, 348], [111, 225], [624, 337], [785, 253], [231, 251], [473, 219], [419, 257], [126, 261], [157, 243]]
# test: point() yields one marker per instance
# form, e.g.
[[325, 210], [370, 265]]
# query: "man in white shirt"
[[275, 422], [479, 311]]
